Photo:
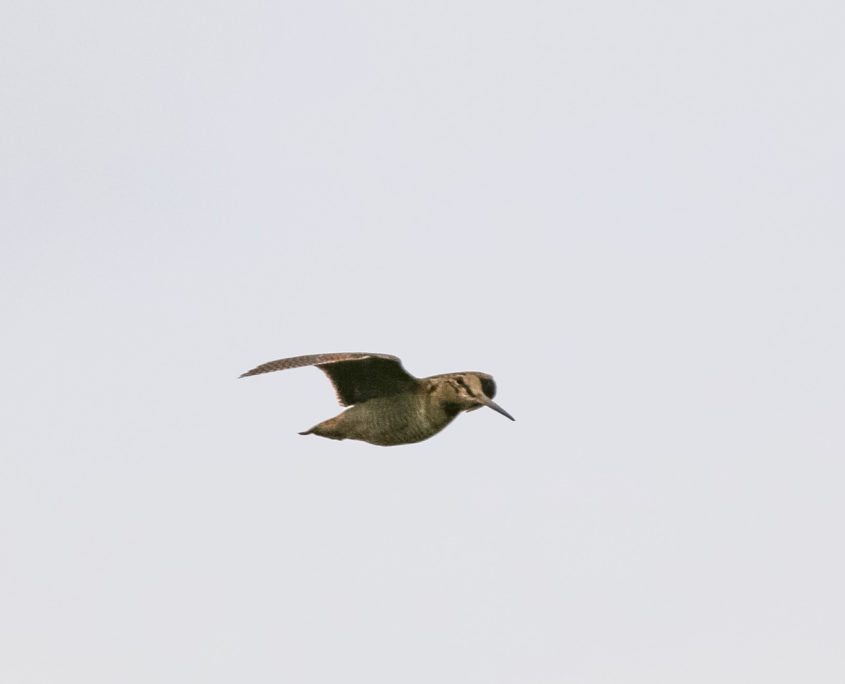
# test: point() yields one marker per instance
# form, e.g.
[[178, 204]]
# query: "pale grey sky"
[[631, 214]]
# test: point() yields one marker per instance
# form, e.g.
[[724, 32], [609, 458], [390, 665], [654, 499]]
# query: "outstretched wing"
[[357, 376]]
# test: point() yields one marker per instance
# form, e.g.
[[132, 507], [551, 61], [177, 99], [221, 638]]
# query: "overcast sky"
[[631, 214]]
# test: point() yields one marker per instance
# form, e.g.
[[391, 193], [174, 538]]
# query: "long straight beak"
[[493, 405]]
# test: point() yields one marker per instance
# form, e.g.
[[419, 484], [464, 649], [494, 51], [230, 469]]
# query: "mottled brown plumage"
[[388, 405]]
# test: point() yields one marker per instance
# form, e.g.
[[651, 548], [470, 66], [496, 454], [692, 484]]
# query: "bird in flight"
[[388, 405]]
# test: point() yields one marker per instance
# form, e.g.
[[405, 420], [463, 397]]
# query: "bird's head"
[[470, 391]]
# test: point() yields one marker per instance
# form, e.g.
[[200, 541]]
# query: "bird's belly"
[[388, 421]]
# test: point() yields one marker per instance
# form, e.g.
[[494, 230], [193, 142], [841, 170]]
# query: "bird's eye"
[[488, 387]]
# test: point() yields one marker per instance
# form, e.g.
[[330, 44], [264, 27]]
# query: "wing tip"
[[258, 370], [321, 361]]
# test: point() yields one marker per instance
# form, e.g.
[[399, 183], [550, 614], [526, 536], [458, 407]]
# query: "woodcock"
[[388, 405]]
